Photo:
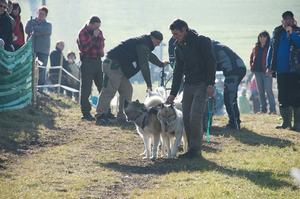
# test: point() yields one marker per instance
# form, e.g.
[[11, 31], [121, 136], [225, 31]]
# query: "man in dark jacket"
[[194, 60], [171, 50], [286, 38], [58, 59], [6, 27], [123, 62], [234, 71]]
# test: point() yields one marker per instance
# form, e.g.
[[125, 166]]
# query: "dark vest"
[[125, 53]]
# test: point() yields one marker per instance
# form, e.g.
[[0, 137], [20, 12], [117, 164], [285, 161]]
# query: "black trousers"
[[91, 70], [288, 89], [231, 85]]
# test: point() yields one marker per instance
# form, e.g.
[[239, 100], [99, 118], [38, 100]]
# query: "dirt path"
[[78, 159]]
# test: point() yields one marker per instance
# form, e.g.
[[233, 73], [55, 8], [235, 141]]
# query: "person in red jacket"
[[258, 67], [18, 31], [91, 46]]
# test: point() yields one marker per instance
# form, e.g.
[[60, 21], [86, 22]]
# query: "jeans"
[[42, 71], [264, 85]]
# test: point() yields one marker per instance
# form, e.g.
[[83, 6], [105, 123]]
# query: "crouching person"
[[123, 62], [234, 71]]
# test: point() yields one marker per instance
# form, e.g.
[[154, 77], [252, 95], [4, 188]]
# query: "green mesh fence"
[[16, 77]]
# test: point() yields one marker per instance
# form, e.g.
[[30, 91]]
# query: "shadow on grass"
[[249, 137], [20, 128], [264, 179]]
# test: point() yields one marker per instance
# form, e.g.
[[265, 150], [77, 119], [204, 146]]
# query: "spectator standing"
[[258, 67], [6, 26], [244, 104], [283, 62], [254, 97], [74, 68], [91, 45], [58, 59], [9, 6], [40, 29], [18, 31]]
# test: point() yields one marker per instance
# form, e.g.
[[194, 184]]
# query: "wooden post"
[[59, 80], [61, 61], [34, 80]]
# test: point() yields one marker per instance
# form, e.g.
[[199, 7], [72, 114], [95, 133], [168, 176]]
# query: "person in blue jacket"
[[286, 39]]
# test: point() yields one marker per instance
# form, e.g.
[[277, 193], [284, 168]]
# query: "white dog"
[[147, 124], [172, 129]]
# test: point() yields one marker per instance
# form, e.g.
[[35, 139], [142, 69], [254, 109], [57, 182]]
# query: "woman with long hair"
[[258, 67], [18, 31]]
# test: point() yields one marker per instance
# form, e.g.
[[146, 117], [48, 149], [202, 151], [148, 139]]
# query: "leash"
[[209, 112]]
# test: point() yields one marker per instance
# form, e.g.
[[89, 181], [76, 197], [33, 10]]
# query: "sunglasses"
[[3, 6]]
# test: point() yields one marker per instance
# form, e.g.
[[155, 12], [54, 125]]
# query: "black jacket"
[[135, 50], [195, 60], [6, 30], [126, 53], [57, 59]]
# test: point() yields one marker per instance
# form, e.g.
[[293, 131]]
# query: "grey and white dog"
[[173, 132], [147, 124]]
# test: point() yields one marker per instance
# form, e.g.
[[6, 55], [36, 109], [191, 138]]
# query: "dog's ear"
[[125, 104], [137, 101]]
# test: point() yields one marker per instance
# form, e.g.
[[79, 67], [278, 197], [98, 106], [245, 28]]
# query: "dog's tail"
[[153, 101], [295, 173]]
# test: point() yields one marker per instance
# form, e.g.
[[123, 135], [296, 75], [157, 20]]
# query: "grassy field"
[[50, 153]]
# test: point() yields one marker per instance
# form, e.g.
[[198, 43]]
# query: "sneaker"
[[88, 117], [191, 154]]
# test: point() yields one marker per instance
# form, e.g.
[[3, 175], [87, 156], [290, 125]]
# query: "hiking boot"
[[296, 126], [102, 120], [88, 117], [233, 126], [286, 114], [109, 115], [191, 154]]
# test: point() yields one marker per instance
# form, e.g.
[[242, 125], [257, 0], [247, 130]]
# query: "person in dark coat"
[[6, 26], [58, 59], [195, 60], [286, 39], [18, 31]]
